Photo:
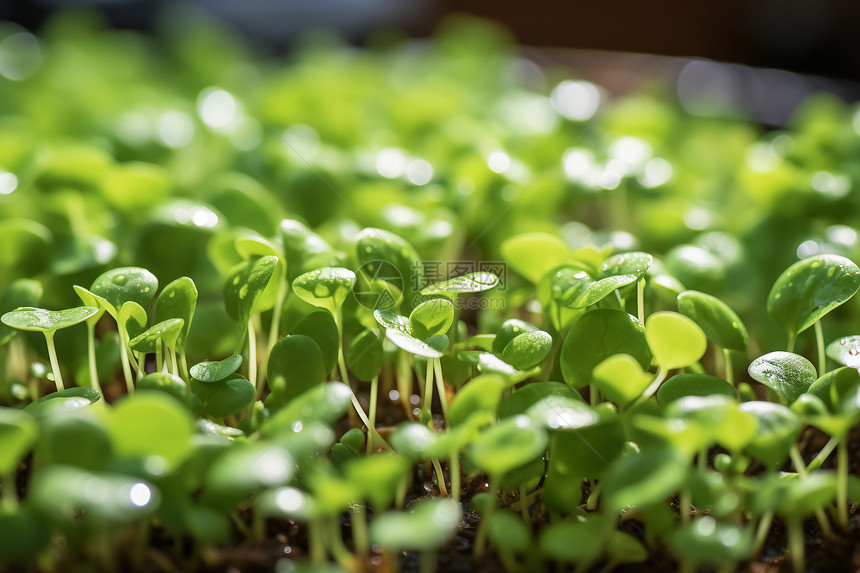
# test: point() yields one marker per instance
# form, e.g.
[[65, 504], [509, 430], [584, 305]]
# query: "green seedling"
[[708, 542], [164, 334], [789, 375], [719, 323], [21, 293], [242, 292], [89, 299], [778, 428], [808, 290], [48, 322], [324, 403], [275, 293], [504, 447], [451, 289], [226, 397], [364, 360], [178, 300], [596, 336], [171, 385], [383, 255], [152, 427], [688, 384], [426, 527]]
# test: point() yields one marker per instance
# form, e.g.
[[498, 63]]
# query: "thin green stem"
[[338, 549], [360, 537], [792, 337], [822, 455], [55, 364], [183, 364], [640, 300], [481, 535], [684, 503], [729, 368], [123, 355], [159, 356], [371, 415], [842, 484], [426, 412], [524, 508], [651, 389], [797, 460], [819, 343], [252, 357], [315, 542], [275, 327], [91, 356], [440, 388], [762, 531], [454, 471], [440, 477], [370, 428], [795, 545]]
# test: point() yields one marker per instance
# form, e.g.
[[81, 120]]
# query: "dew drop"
[[842, 341], [120, 280]]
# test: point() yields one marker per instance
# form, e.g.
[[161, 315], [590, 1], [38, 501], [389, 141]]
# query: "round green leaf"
[[170, 385], [289, 502], [643, 478], [533, 255], [508, 532], [427, 525], [811, 288], [218, 370], [324, 403], [124, 284], [412, 439], [178, 300], [431, 318], [528, 349], [41, 320], [244, 286], [321, 327], [634, 264], [22, 292], [76, 438], [572, 541], [575, 288], [326, 288], [707, 542], [472, 282], [18, 432], [690, 384], [379, 475], [364, 356], [507, 445], [132, 318], [523, 397], [147, 424], [104, 498], [845, 351], [68, 399], [677, 341], [167, 331], [562, 413], [621, 379], [480, 393], [246, 468], [27, 247], [295, 365], [377, 249], [509, 330], [225, 397], [786, 373], [596, 336], [778, 428], [718, 321]]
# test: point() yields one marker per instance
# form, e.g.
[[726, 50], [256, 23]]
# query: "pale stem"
[[55, 364], [795, 545], [791, 339], [440, 387], [684, 503], [426, 413], [822, 455], [649, 391], [370, 428], [374, 390], [252, 357], [763, 528], [91, 356], [454, 470], [819, 343], [797, 460], [842, 484], [315, 541], [275, 328], [159, 356], [440, 477], [123, 354], [360, 538], [640, 300], [481, 535], [727, 360], [183, 364]]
